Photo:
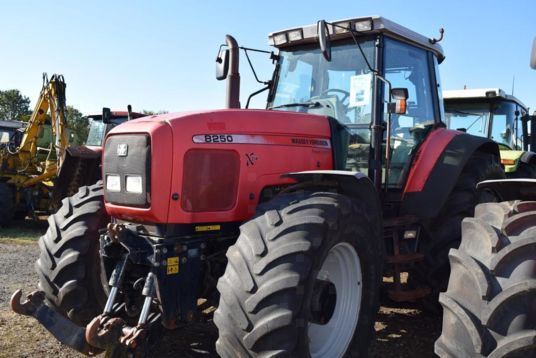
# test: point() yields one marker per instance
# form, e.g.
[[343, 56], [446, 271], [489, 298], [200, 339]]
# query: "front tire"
[[489, 307], [302, 280], [69, 267]]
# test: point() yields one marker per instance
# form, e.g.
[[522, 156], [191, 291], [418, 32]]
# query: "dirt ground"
[[400, 331]]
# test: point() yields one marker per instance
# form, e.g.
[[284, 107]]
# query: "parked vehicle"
[[286, 219], [492, 113]]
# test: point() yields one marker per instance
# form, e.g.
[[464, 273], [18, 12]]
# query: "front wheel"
[[69, 265], [302, 280]]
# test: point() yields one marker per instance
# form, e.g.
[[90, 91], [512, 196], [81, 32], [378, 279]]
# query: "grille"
[[210, 180], [127, 155]]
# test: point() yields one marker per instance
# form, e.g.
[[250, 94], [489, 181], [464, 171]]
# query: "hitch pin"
[[115, 280], [148, 292]]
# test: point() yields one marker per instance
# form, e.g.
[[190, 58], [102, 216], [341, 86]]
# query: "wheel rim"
[[341, 267]]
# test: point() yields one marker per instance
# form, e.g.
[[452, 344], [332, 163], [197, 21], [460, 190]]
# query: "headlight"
[[113, 182], [134, 184]]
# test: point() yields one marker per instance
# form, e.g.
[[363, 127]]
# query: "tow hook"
[[110, 333], [28, 308], [62, 328], [106, 333]]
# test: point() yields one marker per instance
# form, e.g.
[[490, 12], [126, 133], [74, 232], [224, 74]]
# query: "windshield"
[[5, 135], [98, 130], [472, 118], [496, 120], [340, 88]]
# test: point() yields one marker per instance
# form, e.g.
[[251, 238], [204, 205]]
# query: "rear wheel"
[[444, 232], [302, 280], [7, 204], [489, 306], [69, 265]]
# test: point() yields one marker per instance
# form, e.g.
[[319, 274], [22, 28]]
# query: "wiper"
[[309, 104]]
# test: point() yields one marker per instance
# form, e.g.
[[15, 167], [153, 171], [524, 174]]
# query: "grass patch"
[[23, 231]]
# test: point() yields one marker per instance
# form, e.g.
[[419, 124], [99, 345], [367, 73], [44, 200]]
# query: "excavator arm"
[[25, 157]]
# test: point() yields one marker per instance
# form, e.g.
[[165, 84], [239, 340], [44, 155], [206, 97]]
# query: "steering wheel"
[[345, 94]]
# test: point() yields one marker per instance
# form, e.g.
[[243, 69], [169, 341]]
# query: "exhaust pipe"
[[233, 78]]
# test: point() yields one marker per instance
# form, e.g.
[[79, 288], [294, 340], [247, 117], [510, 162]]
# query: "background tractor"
[[489, 306], [496, 115], [82, 164], [38, 167], [286, 218]]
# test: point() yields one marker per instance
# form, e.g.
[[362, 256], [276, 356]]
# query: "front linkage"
[[155, 279]]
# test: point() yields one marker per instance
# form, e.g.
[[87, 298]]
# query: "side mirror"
[[106, 115], [222, 64], [323, 39], [400, 97], [533, 55]]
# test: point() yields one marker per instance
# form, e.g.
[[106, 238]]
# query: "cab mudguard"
[[436, 168], [510, 189]]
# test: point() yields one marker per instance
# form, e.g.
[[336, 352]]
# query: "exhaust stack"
[[233, 78]]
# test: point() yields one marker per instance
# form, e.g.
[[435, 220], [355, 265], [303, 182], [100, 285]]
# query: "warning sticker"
[[173, 265], [207, 228]]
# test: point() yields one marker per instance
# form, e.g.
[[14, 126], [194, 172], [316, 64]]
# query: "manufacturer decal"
[[122, 150], [251, 158], [261, 139]]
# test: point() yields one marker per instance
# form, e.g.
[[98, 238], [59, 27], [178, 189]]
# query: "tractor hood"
[[207, 166]]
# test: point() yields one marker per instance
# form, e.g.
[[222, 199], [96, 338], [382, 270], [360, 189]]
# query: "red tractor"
[[82, 164], [285, 219]]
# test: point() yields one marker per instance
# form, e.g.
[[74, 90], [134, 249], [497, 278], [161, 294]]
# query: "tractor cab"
[[489, 113], [99, 127], [493, 114], [370, 60]]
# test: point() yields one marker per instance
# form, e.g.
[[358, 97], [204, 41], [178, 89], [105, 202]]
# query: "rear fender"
[[511, 189], [353, 184], [435, 171]]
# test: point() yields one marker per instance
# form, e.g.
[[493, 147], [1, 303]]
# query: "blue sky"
[[160, 55]]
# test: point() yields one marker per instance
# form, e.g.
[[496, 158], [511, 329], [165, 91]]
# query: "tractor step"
[[408, 295], [404, 259]]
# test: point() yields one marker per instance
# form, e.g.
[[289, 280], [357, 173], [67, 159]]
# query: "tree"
[[14, 106], [78, 125]]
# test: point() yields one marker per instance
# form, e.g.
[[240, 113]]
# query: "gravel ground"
[[400, 331]]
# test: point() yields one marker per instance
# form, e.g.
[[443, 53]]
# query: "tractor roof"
[[364, 25], [115, 114], [12, 124], [481, 93]]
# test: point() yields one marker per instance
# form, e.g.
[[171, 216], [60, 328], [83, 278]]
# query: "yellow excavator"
[[30, 160]]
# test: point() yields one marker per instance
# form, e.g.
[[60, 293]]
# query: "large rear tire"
[[69, 265], [444, 232], [302, 280], [489, 307]]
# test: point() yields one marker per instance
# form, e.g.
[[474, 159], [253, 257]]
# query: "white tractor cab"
[[491, 113]]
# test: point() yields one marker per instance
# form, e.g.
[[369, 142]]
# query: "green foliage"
[[78, 126], [14, 106]]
